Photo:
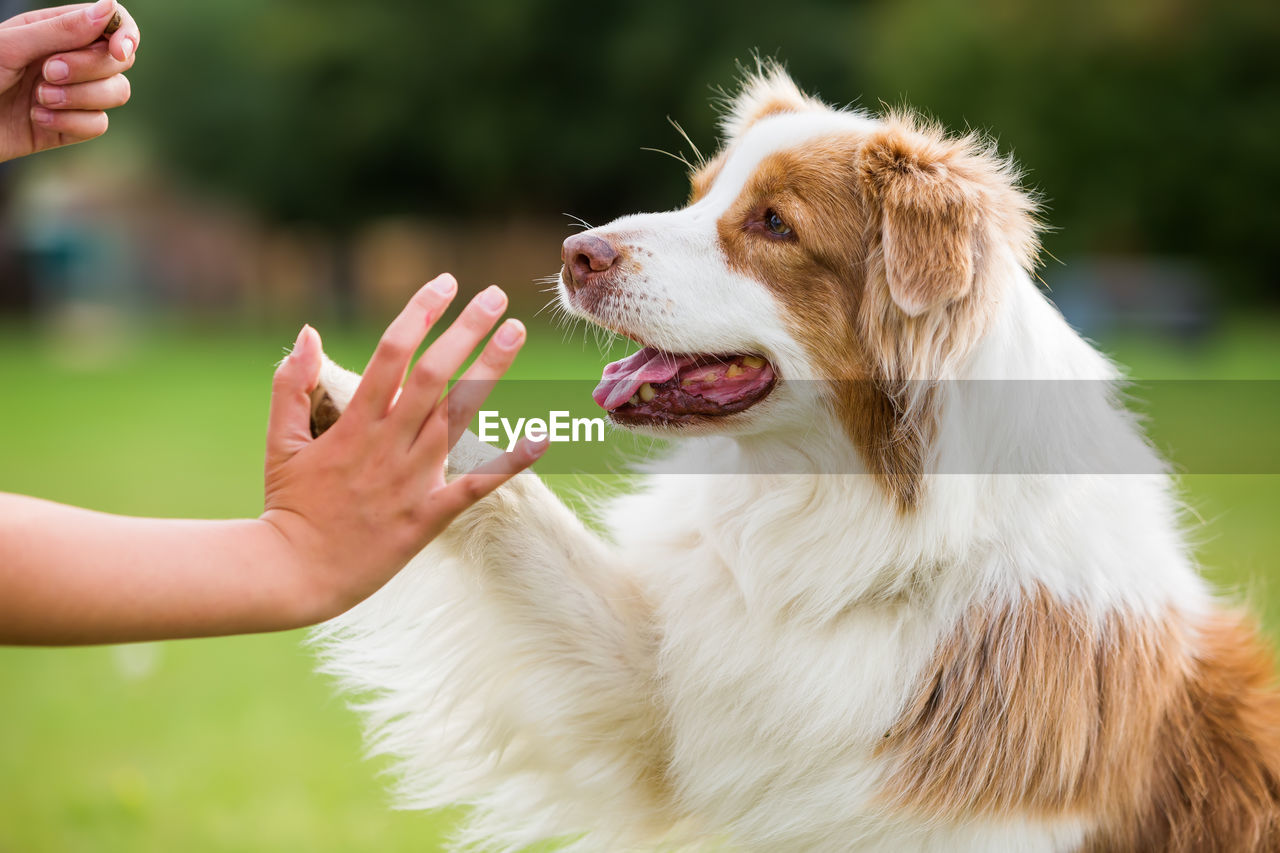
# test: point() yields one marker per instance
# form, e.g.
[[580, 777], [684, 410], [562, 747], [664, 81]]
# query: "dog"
[[858, 606]]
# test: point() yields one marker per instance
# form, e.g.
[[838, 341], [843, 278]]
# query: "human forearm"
[[73, 576]]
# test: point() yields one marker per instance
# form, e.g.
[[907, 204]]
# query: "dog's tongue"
[[622, 379]]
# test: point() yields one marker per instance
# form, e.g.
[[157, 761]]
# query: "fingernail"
[[55, 71], [509, 333], [300, 343], [101, 10], [51, 95], [42, 116], [492, 298], [444, 285], [536, 448], [126, 47]]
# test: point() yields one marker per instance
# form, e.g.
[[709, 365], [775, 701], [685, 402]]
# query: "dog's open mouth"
[[656, 387]]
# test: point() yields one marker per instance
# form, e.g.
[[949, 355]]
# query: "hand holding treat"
[[60, 70]]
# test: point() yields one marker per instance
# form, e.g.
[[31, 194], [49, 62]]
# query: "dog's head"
[[865, 253]]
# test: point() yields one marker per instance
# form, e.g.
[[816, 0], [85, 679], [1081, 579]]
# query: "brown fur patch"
[[701, 179], [893, 440], [951, 219], [1035, 708], [913, 168], [772, 105], [1214, 783], [929, 218], [819, 275], [324, 413]]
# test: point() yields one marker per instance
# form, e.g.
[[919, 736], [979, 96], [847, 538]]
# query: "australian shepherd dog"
[[910, 577]]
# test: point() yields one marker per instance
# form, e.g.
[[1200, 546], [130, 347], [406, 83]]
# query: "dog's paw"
[[469, 452], [334, 391], [331, 395]]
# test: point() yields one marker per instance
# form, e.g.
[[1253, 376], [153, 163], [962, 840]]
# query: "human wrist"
[[305, 595]]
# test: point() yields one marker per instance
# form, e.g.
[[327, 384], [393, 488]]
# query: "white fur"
[[716, 670]]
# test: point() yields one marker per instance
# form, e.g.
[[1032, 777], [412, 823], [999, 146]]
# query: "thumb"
[[20, 46], [289, 424]]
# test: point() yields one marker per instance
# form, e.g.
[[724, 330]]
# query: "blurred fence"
[[75, 239]]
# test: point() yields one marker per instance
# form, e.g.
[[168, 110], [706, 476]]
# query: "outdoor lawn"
[[234, 744]]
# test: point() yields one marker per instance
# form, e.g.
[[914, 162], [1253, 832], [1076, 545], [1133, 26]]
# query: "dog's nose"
[[587, 257]]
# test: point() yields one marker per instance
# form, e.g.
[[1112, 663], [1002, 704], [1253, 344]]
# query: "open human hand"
[[355, 504]]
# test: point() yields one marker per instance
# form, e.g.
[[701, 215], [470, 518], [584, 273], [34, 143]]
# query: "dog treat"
[[112, 25]]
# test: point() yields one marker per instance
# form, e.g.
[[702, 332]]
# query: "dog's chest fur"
[[775, 711]]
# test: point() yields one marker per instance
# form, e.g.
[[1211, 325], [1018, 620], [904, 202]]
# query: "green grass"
[[234, 744]]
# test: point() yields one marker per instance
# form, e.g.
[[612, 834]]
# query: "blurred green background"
[[290, 162]]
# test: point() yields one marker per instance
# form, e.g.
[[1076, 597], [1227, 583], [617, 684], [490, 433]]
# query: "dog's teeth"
[[635, 400], [687, 381], [755, 362], [734, 370], [646, 392]]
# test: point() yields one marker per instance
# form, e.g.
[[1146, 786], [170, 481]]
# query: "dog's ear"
[[766, 91], [927, 215]]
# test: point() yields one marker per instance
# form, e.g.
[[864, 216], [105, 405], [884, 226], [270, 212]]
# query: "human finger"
[[76, 125], [81, 66], [35, 15], [426, 384], [289, 421], [386, 369], [484, 478], [22, 45], [124, 41], [96, 95], [471, 390]]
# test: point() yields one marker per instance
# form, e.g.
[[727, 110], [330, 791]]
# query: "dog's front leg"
[[517, 650]]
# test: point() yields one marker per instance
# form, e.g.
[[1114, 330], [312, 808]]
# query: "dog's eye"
[[774, 223]]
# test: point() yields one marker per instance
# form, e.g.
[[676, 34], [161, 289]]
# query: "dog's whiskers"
[[580, 222], [680, 158], [697, 153]]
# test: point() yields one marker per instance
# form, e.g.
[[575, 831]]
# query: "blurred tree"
[[1150, 125], [326, 111]]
